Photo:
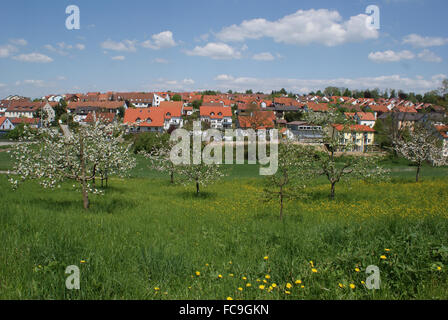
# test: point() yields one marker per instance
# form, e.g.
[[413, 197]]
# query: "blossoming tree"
[[420, 145], [52, 156]]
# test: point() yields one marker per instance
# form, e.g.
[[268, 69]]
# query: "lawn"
[[147, 239]]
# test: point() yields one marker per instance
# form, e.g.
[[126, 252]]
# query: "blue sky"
[[141, 45]]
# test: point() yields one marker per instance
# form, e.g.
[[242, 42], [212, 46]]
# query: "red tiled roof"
[[96, 104], [106, 117], [443, 130], [215, 112], [318, 106], [264, 120], [366, 116], [355, 128]]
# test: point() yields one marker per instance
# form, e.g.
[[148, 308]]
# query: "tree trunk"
[[85, 196], [418, 173], [281, 203], [172, 177], [333, 184], [197, 187]]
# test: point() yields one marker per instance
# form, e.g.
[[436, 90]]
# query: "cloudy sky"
[[138, 45]]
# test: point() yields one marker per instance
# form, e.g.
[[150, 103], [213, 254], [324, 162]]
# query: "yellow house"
[[359, 137]]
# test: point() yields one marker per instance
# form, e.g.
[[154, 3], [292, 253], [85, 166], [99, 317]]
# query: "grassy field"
[[147, 239]]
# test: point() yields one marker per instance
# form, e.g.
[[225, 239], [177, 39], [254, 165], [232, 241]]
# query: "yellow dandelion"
[[258, 280], [298, 281], [288, 285], [357, 270], [341, 285], [219, 276], [362, 282], [231, 275], [387, 250], [312, 263], [266, 258], [229, 298], [383, 257], [314, 270], [261, 287], [248, 285], [302, 286], [274, 285], [264, 281], [198, 273], [268, 276], [244, 278], [156, 288], [439, 268], [352, 286], [288, 292], [240, 289], [83, 261], [206, 264]]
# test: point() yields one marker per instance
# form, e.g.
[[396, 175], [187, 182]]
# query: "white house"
[[6, 124]]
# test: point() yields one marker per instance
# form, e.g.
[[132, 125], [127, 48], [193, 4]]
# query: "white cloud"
[[19, 42], [120, 58], [264, 56], [303, 27], [160, 60], [62, 48], [429, 56], [424, 42], [125, 45], [391, 56], [216, 51], [80, 46], [188, 81], [7, 50], [417, 84], [159, 41], [34, 83], [33, 57], [61, 78]]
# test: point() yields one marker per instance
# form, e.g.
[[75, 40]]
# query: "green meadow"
[[148, 239]]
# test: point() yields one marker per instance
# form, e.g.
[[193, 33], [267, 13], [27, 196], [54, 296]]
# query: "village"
[[166, 111]]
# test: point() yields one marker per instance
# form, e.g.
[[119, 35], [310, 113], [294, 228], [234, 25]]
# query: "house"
[[157, 99], [303, 131], [80, 110], [168, 115], [217, 115], [316, 107], [6, 124], [365, 118], [443, 135], [32, 122], [28, 109], [257, 120], [359, 137], [101, 116], [138, 99]]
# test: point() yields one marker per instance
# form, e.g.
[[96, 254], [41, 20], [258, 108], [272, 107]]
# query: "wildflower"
[[230, 262], [302, 286], [156, 288], [314, 270], [357, 270], [362, 282], [219, 276], [261, 287], [268, 276], [288, 285], [244, 278], [383, 257], [298, 282], [258, 280], [229, 298], [248, 285], [198, 273], [439, 268], [83, 261], [312, 263], [341, 285], [387, 250], [240, 289], [352, 286], [266, 258], [264, 281], [274, 285], [288, 292], [206, 264], [231, 275]]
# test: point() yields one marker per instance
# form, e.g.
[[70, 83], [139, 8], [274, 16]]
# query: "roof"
[[24, 120], [2, 119], [215, 112], [443, 130], [366, 116], [154, 116], [318, 106], [106, 117], [96, 104], [379, 108], [355, 128], [263, 120]]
